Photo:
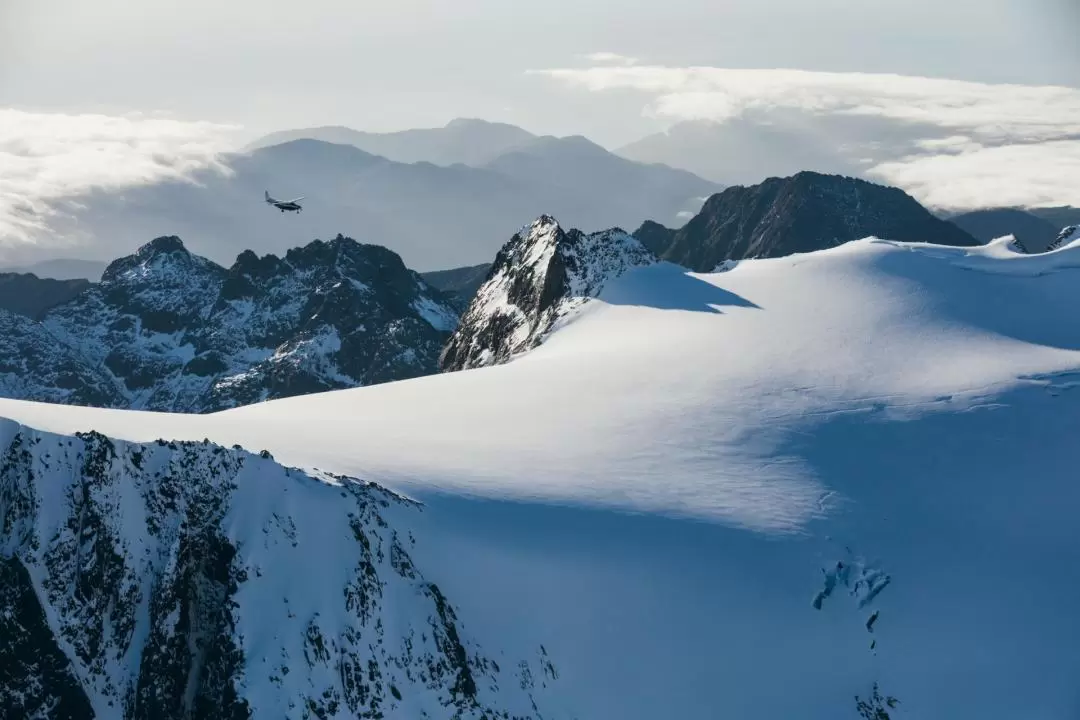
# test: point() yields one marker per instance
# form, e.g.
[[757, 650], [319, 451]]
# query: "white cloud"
[[940, 138], [610, 58], [1005, 175], [49, 156]]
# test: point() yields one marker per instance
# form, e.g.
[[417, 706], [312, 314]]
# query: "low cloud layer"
[[954, 144], [49, 157]]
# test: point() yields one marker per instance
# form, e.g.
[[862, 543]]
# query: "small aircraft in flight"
[[283, 205]]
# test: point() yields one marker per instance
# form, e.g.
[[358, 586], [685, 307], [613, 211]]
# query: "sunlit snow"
[[660, 491]]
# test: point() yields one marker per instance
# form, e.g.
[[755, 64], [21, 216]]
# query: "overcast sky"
[[964, 103], [268, 64]]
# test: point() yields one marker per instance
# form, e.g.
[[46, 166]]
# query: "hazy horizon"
[[964, 104]]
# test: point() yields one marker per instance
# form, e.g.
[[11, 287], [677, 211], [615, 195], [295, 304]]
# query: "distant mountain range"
[[28, 295], [434, 216], [458, 284], [1034, 233], [741, 151], [167, 329], [464, 140], [443, 197], [62, 269]]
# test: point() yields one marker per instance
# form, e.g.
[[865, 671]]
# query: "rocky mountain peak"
[[539, 276], [345, 255], [1066, 236], [168, 330], [805, 212], [162, 253]]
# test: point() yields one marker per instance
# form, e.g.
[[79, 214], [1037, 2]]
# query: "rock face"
[[29, 295], [539, 276], [1066, 236], [797, 214], [34, 365], [190, 581], [168, 330]]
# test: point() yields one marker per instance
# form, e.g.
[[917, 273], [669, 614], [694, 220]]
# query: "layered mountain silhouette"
[[62, 269], [467, 141], [27, 294], [1033, 233], [434, 216], [802, 213], [1061, 216], [458, 284]]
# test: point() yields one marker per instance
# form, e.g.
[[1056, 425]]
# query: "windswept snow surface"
[[707, 495]]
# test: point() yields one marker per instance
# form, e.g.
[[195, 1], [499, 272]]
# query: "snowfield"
[[748, 494]]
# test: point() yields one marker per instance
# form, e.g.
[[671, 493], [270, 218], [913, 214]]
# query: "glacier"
[[754, 493]]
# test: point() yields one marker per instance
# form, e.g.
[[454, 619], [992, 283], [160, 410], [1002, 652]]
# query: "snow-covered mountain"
[[538, 278], [802, 213], [778, 491], [187, 580], [34, 366], [169, 330]]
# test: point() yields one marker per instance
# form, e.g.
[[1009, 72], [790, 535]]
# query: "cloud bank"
[[49, 157], [953, 144]]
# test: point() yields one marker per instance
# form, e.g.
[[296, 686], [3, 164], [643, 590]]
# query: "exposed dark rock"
[[539, 276], [168, 330], [146, 581], [802, 213]]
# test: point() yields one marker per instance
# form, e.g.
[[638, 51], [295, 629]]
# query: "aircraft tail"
[[267, 194]]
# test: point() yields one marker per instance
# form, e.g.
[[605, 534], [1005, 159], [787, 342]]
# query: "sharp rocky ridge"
[[540, 276], [186, 580], [168, 330], [1068, 235]]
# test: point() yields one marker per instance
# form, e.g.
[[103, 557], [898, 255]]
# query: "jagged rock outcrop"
[[169, 330], [189, 581], [538, 277], [1066, 236], [803, 213], [34, 365]]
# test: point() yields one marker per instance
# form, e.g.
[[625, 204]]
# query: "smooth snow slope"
[[906, 410]]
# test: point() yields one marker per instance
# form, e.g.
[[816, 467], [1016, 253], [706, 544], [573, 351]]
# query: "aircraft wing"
[[296, 199]]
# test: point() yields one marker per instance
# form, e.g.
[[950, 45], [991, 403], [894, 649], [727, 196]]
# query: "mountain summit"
[[172, 331], [539, 276], [802, 213]]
